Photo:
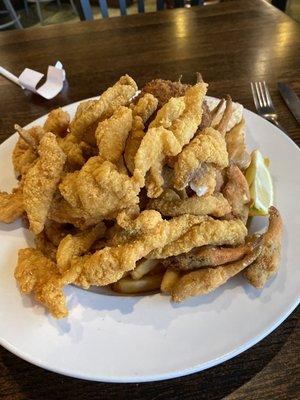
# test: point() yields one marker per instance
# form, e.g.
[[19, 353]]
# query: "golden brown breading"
[[41, 181], [236, 146], [93, 112], [236, 191], [111, 134], [109, 264], [209, 146], [142, 111], [266, 265], [205, 280], [211, 256], [57, 122], [173, 127], [31, 136], [209, 231], [36, 273], [23, 157], [170, 204], [55, 231], [76, 245], [11, 205], [45, 246], [73, 150]]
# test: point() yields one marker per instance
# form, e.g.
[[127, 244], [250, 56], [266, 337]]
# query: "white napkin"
[[29, 80]]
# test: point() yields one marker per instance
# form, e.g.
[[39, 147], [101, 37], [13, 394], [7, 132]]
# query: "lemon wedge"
[[260, 184]]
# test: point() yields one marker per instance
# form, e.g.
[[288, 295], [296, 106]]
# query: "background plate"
[[134, 339]]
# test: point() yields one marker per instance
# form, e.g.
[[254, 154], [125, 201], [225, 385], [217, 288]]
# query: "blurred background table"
[[231, 44]]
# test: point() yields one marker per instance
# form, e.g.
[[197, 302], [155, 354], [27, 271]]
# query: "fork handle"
[[276, 123]]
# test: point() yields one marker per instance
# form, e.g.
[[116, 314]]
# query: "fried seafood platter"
[[140, 193]]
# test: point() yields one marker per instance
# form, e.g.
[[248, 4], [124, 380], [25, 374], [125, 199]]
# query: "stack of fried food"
[[139, 193]]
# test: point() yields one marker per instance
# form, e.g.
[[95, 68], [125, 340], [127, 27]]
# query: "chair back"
[[87, 13]]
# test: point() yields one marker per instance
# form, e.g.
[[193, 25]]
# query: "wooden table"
[[231, 44]]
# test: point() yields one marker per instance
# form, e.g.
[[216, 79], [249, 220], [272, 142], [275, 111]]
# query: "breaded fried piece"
[[236, 146], [266, 265], [99, 190], [37, 274], [209, 231], [109, 264], [93, 112], [204, 181], [163, 90], [206, 280], [57, 122], [142, 111], [211, 256], [23, 157], [173, 127], [73, 150], [209, 146], [11, 205], [55, 231], [31, 136], [236, 191], [76, 245], [170, 204], [111, 134], [41, 181]]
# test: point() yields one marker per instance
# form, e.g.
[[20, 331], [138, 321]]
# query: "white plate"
[[134, 339]]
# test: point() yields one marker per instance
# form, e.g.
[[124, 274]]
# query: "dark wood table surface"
[[231, 44]]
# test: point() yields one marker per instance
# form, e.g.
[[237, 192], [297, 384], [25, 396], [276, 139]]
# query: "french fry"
[[130, 286], [169, 280], [143, 268]]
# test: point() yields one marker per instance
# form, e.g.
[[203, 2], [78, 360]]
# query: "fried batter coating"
[[73, 150], [236, 146], [142, 111], [31, 136], [111, 134], [93, 112], [211, 256], [36, 273], [57, 122], [55, 231], [267, 263], [205, 180], [236, 191], [173, 127], [11, 205], [209, 231], [206, 280], [208, 146], [109, 264], [163, 90], [41, 181], [170, 204], [23, 157], [76, 245], [99, 190]]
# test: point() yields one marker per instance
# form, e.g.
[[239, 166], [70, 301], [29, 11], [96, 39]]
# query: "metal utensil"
[[263, 102], [291, 99]]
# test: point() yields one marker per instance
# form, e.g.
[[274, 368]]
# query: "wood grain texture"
[[231, 44]]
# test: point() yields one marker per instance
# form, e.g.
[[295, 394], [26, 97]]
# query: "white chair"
[[39, 8]]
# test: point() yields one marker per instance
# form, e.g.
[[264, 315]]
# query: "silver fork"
[[263, 102]]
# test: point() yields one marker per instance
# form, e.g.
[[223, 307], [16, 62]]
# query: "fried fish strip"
[[111, 134], [236, 191], [174, 126], [41, 181], [72, 149], [93, 112], [76, 245], [206, 280], [211, 256], [209, 231], [57, 122], [142, 111], [208, 146], [170, 204], [236, 146], [36, 273], [31, 136], [45, 246], [109, 264], [11, 205], [266, 265], [23, 157]]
